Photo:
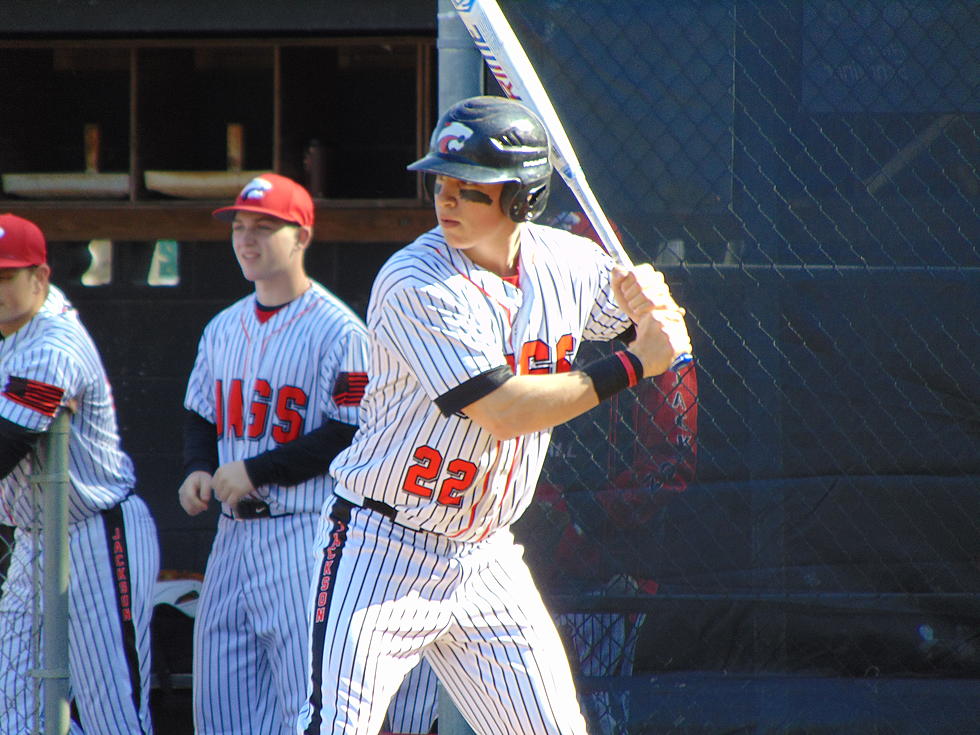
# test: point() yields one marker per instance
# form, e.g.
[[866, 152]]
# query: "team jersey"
[[437, 321], [49, 363], [264, 384]]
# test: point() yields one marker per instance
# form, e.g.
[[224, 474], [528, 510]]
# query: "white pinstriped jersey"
[[265, 384], [437, 321], [47, 363]]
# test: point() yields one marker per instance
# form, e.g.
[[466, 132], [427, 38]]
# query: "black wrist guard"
[[612, 374]]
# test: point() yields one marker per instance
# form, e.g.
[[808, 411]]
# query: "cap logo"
[[453, 137], [255, 189], [2, 232]]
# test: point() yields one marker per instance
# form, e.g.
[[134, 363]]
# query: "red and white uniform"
[[445, 577], [436, 321], [264, 383], [46, 365]]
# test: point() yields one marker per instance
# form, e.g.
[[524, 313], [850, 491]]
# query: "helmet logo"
[[453, 137], [255, 189]]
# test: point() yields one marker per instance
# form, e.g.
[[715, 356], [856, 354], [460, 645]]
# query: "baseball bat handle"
[[682, 360]]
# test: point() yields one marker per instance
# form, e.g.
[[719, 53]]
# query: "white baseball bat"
[[508, 62]]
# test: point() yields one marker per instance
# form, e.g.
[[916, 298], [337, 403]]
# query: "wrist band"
[[612, 374]]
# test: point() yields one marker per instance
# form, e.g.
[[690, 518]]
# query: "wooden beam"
[[191, 221]]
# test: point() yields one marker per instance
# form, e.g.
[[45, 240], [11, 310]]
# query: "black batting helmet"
[[491, 140]]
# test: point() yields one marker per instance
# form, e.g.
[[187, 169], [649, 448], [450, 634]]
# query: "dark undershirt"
[[288, 464], [15, 443]]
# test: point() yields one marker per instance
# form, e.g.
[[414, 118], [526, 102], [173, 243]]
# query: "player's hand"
[[641, 290], [661, 337], [195, 492], [231, 483], [661, 334]]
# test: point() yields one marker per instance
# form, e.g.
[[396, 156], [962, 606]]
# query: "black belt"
[[371, 504], [249, 509]]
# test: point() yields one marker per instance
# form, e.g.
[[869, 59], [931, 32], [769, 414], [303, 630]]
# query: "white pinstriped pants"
[[250, 629], [384, 595], [108, 655]]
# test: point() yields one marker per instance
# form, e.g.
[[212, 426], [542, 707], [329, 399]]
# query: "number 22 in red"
[[423, 476]]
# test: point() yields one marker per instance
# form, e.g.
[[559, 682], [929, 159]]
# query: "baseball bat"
[[509, 64]]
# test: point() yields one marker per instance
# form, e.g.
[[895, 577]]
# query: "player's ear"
[[304, 236], [42, 273]]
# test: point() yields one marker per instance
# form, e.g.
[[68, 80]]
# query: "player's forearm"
[[529, 403], [306, 456]]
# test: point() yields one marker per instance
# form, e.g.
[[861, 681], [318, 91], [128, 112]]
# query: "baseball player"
[[473, 330], [48, 363], [273, 396]]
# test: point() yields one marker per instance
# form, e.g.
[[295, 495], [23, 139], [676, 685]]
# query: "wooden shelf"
[[336, 221], [167, 105]]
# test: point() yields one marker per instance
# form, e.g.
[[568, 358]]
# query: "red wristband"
[[632, 364]]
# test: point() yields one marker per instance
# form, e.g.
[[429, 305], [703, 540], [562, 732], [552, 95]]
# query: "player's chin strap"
[[610, 375]]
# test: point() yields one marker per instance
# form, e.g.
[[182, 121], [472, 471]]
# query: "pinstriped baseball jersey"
[[50, 361], [437, 320], [265, 384]]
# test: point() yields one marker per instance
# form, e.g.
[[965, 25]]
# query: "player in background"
[[474, 327], [607, 478], [48, 363], [273, 396]]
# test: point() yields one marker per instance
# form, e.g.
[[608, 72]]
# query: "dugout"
[[336, 95]]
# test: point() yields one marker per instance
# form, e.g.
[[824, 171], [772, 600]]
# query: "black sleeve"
[[200, 444], [628, 336], [15, 443], [306, 456], [455, 400]]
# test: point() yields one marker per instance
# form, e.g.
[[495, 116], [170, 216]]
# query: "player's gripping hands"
[[661, 334], [230, 483]]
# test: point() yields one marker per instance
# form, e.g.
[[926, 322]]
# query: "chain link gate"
[[788, 538]]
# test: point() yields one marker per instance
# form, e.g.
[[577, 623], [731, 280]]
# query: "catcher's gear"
[[491, 140]]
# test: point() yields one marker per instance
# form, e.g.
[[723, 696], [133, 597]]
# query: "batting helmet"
[[492, 140]]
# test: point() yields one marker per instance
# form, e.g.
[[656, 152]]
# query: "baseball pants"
[[384, 596], [115, 560]]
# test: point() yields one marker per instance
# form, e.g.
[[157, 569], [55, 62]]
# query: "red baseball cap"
[[274, 195], [22, 243]]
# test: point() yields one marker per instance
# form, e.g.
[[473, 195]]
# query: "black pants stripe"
[[115, 528], [325, 588]]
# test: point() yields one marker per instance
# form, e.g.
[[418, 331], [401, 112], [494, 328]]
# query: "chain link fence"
[[34, 692], [786, 538], [24, 697]]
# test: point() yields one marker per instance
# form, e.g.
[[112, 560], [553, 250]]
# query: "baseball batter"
[[473, 330], [273, 396], [48, 363]]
